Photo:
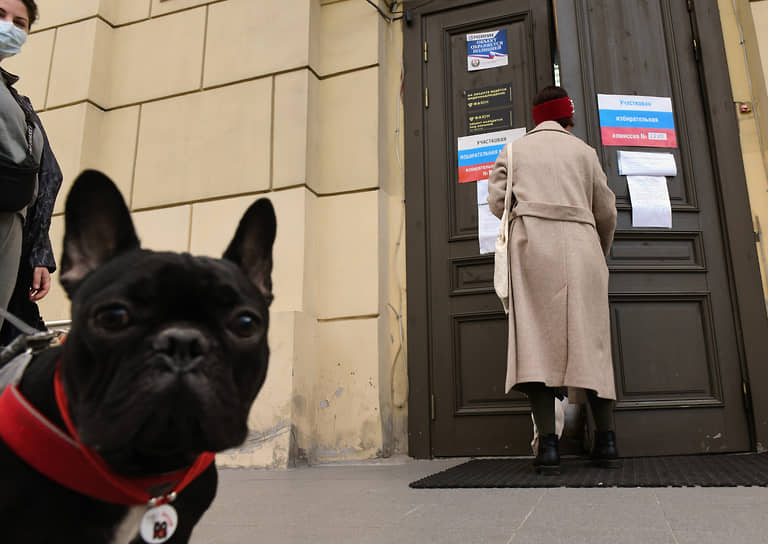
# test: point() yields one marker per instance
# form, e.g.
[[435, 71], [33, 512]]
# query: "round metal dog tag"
[[158, 524]]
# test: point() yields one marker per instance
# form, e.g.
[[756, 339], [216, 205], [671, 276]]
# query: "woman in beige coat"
[[561, 227]]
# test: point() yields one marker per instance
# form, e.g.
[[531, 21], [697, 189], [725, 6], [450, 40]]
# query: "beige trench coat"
[[561, 228]]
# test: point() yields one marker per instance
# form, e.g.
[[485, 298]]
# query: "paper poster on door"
[[477, 153], [638, 163], [487, 50], [650, 201], [644, 121], [487, 223]]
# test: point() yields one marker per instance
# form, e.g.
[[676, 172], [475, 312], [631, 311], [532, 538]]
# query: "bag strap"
[[29, 117], [507, 192], [30, 132]]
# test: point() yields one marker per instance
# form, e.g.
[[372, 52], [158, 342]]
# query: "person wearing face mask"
[[30, 178]]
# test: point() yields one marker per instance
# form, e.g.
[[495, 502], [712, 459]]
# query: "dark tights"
[[542, 400]]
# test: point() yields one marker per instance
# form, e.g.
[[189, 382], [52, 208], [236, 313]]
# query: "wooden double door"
[[678, 349]]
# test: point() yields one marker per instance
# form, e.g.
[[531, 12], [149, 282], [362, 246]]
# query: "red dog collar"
[[551, 110], [65, 460]]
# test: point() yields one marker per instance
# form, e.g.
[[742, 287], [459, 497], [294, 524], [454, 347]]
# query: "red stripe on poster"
[[476, 172], [639, 137]]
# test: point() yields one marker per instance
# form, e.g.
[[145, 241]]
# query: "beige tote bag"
[[501, 259]]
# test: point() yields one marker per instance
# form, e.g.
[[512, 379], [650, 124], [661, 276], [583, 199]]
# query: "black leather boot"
[[548, 458], [604, 452]]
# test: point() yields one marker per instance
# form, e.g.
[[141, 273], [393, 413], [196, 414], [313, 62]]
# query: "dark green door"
[[468, 328]]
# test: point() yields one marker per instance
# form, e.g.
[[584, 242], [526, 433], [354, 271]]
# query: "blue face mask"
[[11, 39]]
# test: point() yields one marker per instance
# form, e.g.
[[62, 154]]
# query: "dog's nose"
[[184, 346]]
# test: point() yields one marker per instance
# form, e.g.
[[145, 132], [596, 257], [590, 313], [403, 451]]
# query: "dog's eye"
[[245, 325], [113, 317]]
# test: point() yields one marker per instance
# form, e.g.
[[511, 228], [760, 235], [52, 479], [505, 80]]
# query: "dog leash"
[[29, 339], [16, 322]]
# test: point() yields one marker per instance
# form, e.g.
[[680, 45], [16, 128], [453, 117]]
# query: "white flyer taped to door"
[[487, 223], [650, 201], [638, 163]]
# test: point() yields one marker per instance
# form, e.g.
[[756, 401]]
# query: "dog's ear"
[[251, 248], [97, 227]]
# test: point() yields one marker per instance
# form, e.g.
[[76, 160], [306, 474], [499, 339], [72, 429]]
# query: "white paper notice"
[[650, 201], [487, 223], [636, 163]]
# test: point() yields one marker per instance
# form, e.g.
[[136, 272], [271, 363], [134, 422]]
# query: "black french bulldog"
[[165, 355]]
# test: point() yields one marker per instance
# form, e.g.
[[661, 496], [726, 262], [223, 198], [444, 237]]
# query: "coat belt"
[[555, 212]]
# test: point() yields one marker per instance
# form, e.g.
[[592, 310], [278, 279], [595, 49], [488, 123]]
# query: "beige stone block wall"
[[344, 37], [109, 145], [116, 12], [162, 7], [344, 132], [760, 17], [73, 61], [83, 136], [264, 37], [347, 391], [175, 46], [56, 12], [291, 135], [393, 323], [35, 63], [110, 65], [167, 229], [66, 130], [205, 145], [120, 12], [345, 260]]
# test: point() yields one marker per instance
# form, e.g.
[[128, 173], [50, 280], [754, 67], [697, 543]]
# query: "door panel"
[[469, 328], [644, 373], [675, 348]]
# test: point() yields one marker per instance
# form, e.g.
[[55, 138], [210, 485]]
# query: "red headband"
[[551, 110]]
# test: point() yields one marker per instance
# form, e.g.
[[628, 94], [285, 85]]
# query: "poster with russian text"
[[642, 121], [487, 50], [477, 156], [477, 153]]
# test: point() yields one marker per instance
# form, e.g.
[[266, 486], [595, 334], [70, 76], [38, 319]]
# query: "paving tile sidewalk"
[[371, 503]]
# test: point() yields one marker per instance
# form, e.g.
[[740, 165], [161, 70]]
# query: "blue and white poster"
[[487, 50], [629, 120], [477, 153]]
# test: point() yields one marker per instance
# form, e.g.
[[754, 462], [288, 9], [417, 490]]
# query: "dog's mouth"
[[167, 409], [185, 399], [169, 432]]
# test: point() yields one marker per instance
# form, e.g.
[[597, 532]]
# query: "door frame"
[[736, 213], [741, 253]]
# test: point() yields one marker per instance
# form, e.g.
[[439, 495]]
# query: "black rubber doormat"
[[720, 470]]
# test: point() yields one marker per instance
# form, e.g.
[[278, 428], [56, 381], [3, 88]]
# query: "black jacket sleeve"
[[37, 243]]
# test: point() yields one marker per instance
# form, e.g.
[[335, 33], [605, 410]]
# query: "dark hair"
[[552, 93], [31, 11]]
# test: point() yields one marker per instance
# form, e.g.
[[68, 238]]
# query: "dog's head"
[[166, 351]]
